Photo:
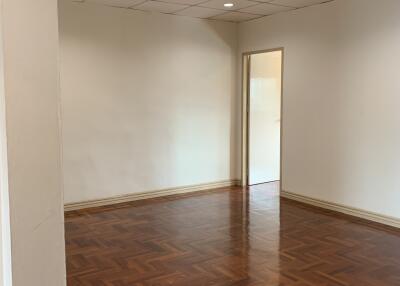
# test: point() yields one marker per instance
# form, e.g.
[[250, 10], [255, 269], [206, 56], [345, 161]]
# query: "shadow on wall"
[[235, 104]]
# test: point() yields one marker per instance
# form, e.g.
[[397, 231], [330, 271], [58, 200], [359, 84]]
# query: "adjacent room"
[[199, 142]]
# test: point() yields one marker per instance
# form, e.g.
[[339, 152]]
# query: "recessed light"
[[228, 5]]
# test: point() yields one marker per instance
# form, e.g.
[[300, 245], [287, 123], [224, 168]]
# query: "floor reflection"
[[234, 236]]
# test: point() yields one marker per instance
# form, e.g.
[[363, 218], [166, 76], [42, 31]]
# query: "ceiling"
[[242, 10]]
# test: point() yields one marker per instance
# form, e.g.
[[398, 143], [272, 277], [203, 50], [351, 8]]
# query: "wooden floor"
[[227, 237]]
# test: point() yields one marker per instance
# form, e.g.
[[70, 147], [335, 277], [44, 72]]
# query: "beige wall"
[[30, 38], [147, 101], [341, 99]]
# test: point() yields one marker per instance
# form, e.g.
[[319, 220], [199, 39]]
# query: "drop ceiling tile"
[[265, 9], [184, 2], [117, 3], [199, 12], [236, 17], [161, 7], [296, 3], [237, 4], [242, 10]]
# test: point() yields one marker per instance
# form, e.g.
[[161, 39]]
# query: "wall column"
[[31, 96]]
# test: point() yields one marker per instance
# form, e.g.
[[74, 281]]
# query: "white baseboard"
[[149, 195], [386, 220]]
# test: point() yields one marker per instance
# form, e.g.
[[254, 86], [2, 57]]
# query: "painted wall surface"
[[30, 39], [147, 101], [265, 117], [341, 98], [5, 235]]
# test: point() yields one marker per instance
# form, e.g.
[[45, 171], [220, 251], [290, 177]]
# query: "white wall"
[[147, 101], [341, 100], [30, 38]]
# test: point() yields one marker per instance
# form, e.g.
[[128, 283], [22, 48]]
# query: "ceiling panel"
[[117, 3], [237, 4], [296, 3], [236, 17], [242, 10], [200, 12], [265, 9], [184, 2], [161, 7]]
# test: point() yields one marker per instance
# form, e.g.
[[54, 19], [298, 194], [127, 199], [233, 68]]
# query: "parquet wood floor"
[[230, 236]]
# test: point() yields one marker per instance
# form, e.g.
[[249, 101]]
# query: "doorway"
[[262, 109]]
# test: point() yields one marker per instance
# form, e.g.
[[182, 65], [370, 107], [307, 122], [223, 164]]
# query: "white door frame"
[[246, 62]]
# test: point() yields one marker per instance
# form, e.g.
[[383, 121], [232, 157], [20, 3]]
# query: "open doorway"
[[262, 109]]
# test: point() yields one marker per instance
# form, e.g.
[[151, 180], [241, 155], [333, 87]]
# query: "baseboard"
[[386, 220], [149, 195]]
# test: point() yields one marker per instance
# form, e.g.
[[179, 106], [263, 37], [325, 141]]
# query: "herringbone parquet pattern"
[[227, 237]]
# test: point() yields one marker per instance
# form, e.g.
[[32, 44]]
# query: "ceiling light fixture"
[[228, 5]]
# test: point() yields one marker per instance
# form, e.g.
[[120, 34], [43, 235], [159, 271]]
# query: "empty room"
[[199, 142]]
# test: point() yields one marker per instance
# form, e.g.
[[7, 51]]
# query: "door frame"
[[246, 62]]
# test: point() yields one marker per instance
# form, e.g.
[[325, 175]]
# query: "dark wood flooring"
[[225, 237]]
